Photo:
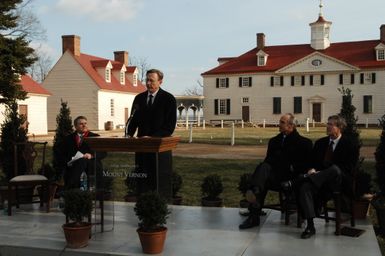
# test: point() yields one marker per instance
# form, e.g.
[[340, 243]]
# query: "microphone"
[[133, 111]]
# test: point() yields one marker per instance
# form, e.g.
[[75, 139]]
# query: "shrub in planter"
[[177, 182], [77, 206], [378, 201], [211, 188], [152, 212]]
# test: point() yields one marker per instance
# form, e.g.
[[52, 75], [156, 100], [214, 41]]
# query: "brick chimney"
[[72, 43], [121, 56], [382, 33], [260, 40]]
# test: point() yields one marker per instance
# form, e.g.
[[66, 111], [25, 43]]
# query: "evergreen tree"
[[12, 130], [15, 54], [363, 179], [63, 128], [347, 112], [15, 57], [380, 159]]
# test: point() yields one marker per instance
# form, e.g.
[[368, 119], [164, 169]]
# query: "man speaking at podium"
[[153, 114]]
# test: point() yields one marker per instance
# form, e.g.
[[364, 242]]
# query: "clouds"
[[101, 10]]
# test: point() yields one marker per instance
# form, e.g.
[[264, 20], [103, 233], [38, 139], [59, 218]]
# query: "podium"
[[143, 145]]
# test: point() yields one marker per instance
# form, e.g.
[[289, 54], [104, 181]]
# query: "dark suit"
[[72, 173], [333, 176], [285, 159], [159, 120]]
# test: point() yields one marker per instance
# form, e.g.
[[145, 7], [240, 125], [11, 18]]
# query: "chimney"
[[121, 56], [71, 43], [260, 40], [382, 33]]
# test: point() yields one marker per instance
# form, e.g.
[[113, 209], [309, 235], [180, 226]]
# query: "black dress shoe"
[[309, 232], [247, 213], [251, 221]]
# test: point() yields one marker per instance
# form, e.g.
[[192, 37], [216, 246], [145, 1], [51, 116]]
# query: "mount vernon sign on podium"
[[143, 145]]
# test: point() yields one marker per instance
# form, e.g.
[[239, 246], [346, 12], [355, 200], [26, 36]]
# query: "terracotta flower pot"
[[217, 202], [130, 198], [152, 242], [361, 208], [177, 200], [77, 236]]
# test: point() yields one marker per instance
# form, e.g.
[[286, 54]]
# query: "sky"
[[184, 38]]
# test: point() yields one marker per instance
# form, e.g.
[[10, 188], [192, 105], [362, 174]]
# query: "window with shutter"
[[276, 105], [297, 105], [222, 83], [367, 104], [352, 78], [215, 107], [245, 81]]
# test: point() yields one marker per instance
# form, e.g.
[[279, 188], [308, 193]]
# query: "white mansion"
[[269, 81]]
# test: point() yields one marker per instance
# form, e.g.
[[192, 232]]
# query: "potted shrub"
[[363, 193], [378, 201], [211, 189], [177, 182], [152, 212], [77, 205], [131, 184], [243, 185]]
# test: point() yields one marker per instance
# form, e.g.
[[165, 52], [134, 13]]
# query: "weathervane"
[[320, 8]]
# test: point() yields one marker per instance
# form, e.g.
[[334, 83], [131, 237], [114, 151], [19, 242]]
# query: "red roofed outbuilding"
[[100, 89], [34, 107]]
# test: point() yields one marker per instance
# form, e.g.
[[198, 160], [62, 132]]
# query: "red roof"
[[360, 54], [30, 86], [90, 63]]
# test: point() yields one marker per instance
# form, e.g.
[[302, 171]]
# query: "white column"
[[264, 123], [307, 124], [199, 118], [222, 124], [367, 123], [204, 124], [313, 123], [186, 120], [232, 134], [190, 134], [243, 124]]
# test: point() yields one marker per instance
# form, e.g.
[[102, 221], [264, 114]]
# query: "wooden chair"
[[287, 205], [337, 209], [26, 153]]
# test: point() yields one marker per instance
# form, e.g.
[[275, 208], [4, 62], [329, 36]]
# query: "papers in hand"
[[77, 156]]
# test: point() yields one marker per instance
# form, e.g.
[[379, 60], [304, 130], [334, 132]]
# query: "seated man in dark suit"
[[288, 155], [334, 158], [72, 144]]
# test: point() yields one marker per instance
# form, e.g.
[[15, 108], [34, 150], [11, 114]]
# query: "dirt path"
[[197, 150], [237, 152]]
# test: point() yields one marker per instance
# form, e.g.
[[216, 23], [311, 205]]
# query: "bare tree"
[[28, 25], [195, 90], [39, 70], [142, 65]]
